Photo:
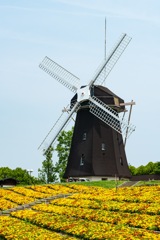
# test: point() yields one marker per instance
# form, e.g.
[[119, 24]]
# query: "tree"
[[63, 148], [133, 170], [5, 172], [157, 168], [150, 168], [19, 174], [22, 176], [47, 173], [140, 170]]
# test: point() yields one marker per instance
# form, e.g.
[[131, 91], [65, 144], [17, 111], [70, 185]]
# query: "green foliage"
[[133, 170], [21, 175], [5, 172], [63, 148], [157, 168], [141, 170], [150, 168], [47, 173]]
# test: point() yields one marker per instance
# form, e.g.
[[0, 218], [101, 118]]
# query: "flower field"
[[13, 197], [86, 213]]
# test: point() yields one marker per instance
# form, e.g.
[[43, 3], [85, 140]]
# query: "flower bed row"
[[13, 228], [119, 218], [83, 228], [18, 198], [43, 191], [132, 194], [145, 208], [30, 192], [52, 189], [10, 198], [5, 204], [3, 192], [85, 189]]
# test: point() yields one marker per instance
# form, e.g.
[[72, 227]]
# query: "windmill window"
[[84, 136], [103, 146], [82, 160], [121, 161]]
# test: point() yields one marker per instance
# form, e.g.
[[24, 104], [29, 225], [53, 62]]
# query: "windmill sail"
[[57, 128], [109, 116], [106, 67], [60, 74]]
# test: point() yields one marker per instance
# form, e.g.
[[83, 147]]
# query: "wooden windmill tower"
[[97, 149]]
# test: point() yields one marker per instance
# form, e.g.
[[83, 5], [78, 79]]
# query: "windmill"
[[97, 148]]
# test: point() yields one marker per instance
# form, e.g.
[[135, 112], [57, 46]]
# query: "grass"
[[104, 184], [114, 184], [148, 183]]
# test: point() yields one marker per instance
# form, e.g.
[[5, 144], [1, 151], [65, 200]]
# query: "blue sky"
[[71, 32]]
